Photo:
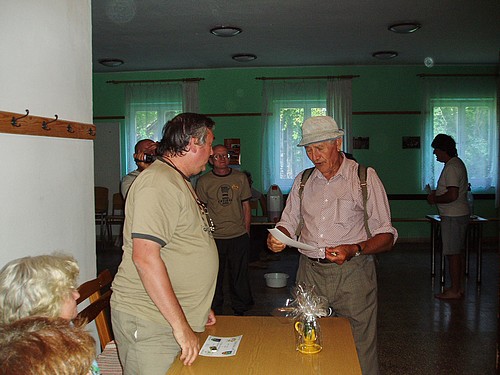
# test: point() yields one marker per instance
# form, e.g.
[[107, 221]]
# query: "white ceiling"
[[174, 34]]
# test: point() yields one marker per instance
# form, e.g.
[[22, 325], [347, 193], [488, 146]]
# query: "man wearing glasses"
[[227, 194]]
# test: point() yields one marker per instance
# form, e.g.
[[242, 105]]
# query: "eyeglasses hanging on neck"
[[210, 227], [209, 223]]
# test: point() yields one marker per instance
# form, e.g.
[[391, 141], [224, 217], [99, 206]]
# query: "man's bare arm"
[[154, 276]]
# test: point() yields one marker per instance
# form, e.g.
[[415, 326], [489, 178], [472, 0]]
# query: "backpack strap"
[[305, 176], [362, 172]]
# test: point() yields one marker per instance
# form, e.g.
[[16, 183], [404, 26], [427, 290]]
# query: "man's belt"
[[319, 260]]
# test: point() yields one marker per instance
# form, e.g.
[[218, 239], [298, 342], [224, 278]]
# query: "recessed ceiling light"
[[404, 28], [111, 63], [384, 55], [244, 57], [225, 31]]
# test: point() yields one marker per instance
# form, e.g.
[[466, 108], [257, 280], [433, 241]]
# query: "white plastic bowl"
[[276, 279]]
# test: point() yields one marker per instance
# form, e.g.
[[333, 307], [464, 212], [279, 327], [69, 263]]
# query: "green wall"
[[392, 88]]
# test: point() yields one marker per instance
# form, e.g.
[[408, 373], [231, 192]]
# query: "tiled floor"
[[418, 334]]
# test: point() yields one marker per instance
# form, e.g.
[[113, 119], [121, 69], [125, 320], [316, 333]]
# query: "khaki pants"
[[144, 347], [351, 290]]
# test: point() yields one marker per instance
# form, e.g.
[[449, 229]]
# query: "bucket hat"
[[318, 129]]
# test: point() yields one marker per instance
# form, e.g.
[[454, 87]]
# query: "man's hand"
[[189, 343], [211, 318], [273, 244], [156, 281], [340, 254]]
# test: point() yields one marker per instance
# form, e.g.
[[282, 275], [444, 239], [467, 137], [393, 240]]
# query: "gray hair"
[[177, 133]]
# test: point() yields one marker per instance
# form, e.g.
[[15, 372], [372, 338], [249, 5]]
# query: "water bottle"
[[274, 203], [470, 201]]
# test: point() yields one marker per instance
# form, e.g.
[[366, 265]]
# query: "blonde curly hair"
[[36, 285]]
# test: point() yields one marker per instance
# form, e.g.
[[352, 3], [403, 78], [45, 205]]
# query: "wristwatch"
[[359, 251]]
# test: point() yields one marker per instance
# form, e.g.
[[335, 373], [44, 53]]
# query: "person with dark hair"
[[445, 143], [165, 284], [450, 197], [46, 345], [144, 154]]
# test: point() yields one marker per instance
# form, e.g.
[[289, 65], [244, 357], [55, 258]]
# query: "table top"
[[262, 220], [268, 347], [474, 219]]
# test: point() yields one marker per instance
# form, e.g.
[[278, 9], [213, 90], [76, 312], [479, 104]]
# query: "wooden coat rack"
[[26, 124]]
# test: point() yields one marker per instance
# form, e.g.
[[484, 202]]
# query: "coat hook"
[[46, 123], [91, 132], [14, 120], [70, 128]]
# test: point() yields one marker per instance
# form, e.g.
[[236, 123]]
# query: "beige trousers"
[[144, 347], [351, 290]]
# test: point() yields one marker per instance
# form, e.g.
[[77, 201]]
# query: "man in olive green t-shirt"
[[165, 283], [227, 194]]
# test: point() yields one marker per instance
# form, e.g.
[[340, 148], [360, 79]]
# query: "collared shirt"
[[333, 209]]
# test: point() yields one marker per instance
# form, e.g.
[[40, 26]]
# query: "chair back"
[[118, 204], [101, 200], [99, 304], [254, 206]]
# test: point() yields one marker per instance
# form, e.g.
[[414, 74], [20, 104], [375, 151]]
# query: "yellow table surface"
[[268, 347]]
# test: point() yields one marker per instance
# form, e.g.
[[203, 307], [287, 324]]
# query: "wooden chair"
[[117, 216], [254, 206], [101, 204], [99, 305]]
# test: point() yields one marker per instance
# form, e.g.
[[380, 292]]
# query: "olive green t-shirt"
[[161, 208], [223, 196]]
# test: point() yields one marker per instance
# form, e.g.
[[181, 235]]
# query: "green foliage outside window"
[[148, 125], [291, 156]]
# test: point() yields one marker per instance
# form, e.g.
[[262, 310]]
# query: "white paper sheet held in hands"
[[307, 250]]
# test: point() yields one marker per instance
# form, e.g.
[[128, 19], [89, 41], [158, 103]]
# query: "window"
[[464, 108], [149, 106], [286, 104], [292, 159], [472, 124], [149, 121]]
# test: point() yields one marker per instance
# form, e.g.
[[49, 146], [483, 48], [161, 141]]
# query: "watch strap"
[[359, 251]]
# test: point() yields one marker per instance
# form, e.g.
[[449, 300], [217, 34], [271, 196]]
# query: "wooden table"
[[268, 347], [262, 221], [474, 240]]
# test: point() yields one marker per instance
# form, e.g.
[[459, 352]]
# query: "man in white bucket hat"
[[327, 211]]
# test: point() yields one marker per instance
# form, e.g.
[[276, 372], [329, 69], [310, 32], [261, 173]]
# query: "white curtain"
[[339, 106], [286, 104], [150, 105], [464, 108], [191, 102]]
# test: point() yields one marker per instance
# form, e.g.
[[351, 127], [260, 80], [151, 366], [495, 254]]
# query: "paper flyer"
[[220, 346], [308, 250]]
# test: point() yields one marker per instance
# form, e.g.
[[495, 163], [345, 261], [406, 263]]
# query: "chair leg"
[[109, 232]]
